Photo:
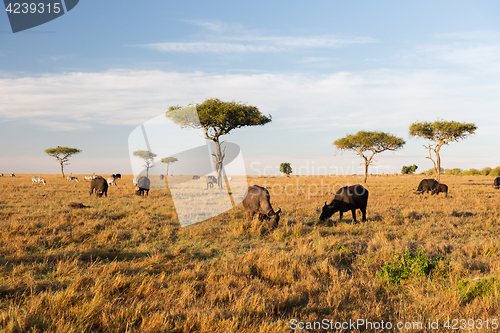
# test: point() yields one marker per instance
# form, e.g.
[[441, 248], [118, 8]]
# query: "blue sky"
[[322, 70]]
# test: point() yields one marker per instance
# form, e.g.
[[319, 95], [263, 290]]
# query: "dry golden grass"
[[125, 265]]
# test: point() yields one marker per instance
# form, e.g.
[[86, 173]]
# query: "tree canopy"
[[441, 132], [217, 118], [168, 161], [62, 154], [148, 158], [286, 168], [373, 142]]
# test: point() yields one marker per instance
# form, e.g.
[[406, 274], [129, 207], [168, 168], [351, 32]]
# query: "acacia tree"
[[441, 132], [286, 168], [363, 143], [217, 118], [62, 154], [148, 157], [168, 161]]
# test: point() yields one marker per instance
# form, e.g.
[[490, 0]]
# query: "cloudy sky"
[[322, 70]]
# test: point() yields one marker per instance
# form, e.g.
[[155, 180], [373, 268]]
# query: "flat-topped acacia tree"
[[367, 144], [441, 132], [148, 158], [217, 118], [62, 154], [168, 161]]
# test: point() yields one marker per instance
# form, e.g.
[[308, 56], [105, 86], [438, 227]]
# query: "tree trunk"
[[438, 160], [219, 157], [62, 169], [366, 170]]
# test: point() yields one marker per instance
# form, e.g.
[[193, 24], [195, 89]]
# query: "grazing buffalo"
[[195, 177], [440, 188], [142, 185], [211, 180], [347, 198], [38, 180], [257, 201], [162, 177], [100, 186], [72, 179], [496, 183], [426, 185]]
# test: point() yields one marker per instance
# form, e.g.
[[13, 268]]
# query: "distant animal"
[[257, 200], [162, 177], [72, 178], [12, 175], [77, 205], [229, 178], [440, 188], [118, 176], [211, 180], [347, 198], [142, 185], [1, 174], [112, 180], [97, 177], [195, 177], [496, 183], [426, 185], [38, 180], [88, 178], [99, 186]]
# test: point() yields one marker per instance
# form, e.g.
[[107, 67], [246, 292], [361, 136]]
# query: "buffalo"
[[196, 177], [440, 188], [426, 185], [100, 186], [211, 180], [118, 176], [496, 183], [347, 198], [257, 201], [142, 185]]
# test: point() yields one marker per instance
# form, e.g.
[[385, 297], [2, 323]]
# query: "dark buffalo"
[[100, 186], [257, 201], [347, 198], [118, 176], [211, 180], [142, 185], [426, 185], [195, 177], [496, 183], [440, 188]]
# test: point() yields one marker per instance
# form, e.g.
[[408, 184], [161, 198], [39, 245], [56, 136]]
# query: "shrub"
[[495, 172], [470, 290], [286, 168], [471, 172], [453, 172], [407, 266], [409, 169], [486, 171]]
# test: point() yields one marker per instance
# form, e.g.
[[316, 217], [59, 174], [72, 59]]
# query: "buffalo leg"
[[354, 215], [363, 212], [341, 213]]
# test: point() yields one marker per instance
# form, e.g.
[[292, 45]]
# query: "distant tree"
[[486, 171], [148, 158], [62, 154], [441, 132], [286, 168], [217, 118], [495, 172], [369, 143], [408, 170], [168, 161]]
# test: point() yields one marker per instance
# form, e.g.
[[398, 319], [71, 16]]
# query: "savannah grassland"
[[125, 265]]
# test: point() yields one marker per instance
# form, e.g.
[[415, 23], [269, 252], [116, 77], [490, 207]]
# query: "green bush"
[[470, 290], [407, 266], [471, 172], [495, 172], [486, 171], [409, 169], [453, 172]]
